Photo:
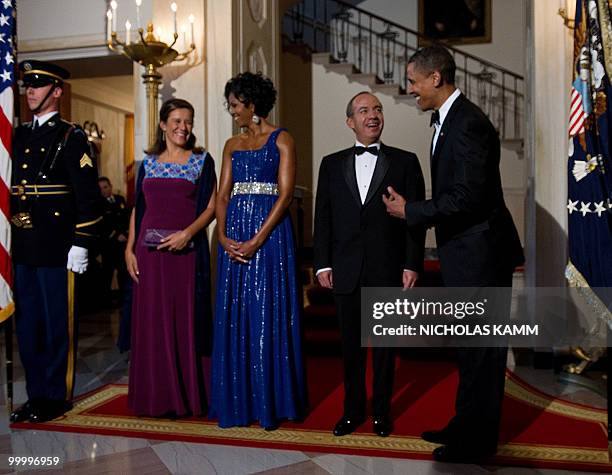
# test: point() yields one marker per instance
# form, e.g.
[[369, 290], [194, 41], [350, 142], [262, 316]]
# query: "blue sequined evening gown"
[[257, 371]]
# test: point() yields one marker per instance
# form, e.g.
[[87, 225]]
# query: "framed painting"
[[456, 21]]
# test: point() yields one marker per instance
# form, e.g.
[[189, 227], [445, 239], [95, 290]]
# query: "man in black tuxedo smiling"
[[357, 244], [478, 245]]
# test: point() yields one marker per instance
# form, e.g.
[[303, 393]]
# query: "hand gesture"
[[230, 246], [175, 241], [246, 250], [395, 203]]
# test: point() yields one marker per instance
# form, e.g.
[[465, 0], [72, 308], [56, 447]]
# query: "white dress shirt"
[[443, 113], [364, 170]]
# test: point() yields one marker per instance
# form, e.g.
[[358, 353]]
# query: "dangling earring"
[[163, 135], [256, 119]]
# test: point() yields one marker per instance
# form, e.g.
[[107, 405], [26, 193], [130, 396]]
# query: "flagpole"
[[8, 323], [8, 335]]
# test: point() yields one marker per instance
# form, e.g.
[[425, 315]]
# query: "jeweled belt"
[[254, 188]]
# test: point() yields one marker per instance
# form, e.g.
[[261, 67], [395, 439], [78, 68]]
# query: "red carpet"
[[537, 430]]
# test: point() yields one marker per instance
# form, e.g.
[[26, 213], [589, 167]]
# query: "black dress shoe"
[[438, 436], [49, 410], [346, 426], [23, 413], [382, 426], [455, 454]]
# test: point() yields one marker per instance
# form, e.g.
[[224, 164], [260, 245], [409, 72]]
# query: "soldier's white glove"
[[77, 259]]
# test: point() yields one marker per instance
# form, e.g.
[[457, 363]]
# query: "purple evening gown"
[[166, 374]]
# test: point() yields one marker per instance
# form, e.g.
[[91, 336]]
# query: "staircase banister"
[[425, 38]]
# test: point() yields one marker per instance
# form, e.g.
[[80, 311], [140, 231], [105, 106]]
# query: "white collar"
[[42, 119], [443, 110], [359, 144]]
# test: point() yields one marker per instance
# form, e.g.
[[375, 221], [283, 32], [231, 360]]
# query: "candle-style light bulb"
[[109, 19], [128, 27], [113, 5], [184, 35], [138, 3], [174, 8], [192, 21]]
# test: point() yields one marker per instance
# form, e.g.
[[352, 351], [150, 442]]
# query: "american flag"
[[577, 114], [589, 183], [7, 80]]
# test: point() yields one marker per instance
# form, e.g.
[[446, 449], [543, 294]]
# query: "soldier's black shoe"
[[49, 410], [23, 413]]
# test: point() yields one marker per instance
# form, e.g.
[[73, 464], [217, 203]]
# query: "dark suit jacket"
[[358, 240], [116, 218], [475, 234]]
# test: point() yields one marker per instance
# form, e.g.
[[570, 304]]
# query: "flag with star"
[[7, 82], [589, 202]]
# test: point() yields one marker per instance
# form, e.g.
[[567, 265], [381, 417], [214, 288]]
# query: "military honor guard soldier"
[[56, 209], [113, 239]]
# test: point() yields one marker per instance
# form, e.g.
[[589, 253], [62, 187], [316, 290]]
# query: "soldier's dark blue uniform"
[[115, 224], [55, 205]]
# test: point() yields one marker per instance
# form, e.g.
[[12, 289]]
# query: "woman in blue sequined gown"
[[257, 371]]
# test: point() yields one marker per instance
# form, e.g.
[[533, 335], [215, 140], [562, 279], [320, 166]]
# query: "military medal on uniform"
[[22, 220]]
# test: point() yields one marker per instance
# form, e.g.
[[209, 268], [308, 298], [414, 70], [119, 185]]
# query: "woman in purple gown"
[[167, 258]]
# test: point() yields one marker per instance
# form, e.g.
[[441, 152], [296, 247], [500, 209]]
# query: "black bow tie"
[[359, 150], [435, 118]]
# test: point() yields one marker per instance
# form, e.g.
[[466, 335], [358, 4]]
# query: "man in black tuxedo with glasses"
[[478, 245], [357, 244]]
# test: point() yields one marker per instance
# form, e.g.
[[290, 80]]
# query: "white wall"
[[551, 71], [76, 25], [38, 19], [403, 12], [219, 58]]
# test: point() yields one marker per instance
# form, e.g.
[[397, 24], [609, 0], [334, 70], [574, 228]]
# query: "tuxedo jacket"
[[476, 237], [362, 243]]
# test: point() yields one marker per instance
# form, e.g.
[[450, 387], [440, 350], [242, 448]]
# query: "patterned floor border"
[[305, 439]]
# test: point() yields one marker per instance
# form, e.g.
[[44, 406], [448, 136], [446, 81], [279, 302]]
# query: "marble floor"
[[99, 363]]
